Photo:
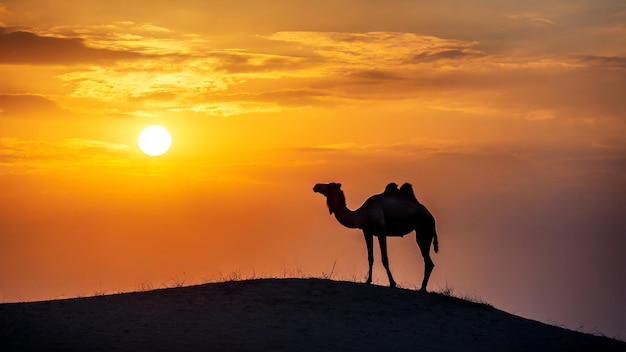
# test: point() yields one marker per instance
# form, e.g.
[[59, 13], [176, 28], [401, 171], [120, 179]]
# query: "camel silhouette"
[[393, 213]]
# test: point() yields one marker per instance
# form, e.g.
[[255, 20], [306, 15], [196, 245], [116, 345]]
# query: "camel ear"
[[339, 185]]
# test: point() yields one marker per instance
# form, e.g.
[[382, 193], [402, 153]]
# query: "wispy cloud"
[[603, 61], [595, 156], [22, 47], [128, 36], [25, 156], [185, 72], [25, 105], [377, 50], [535, 19], [415, 148], [230, 108]]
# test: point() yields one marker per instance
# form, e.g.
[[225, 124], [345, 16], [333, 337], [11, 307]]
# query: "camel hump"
[[407, 191], [391, 188]]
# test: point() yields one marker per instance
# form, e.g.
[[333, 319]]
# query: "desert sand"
[[280, 315]]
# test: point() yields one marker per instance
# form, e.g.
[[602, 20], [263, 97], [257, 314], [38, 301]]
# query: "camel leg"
[[424, 244], [369, 241], [382, 241]]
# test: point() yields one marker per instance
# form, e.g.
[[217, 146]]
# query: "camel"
[[393, 213]]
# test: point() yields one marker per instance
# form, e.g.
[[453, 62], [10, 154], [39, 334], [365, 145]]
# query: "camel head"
[[333, 193]]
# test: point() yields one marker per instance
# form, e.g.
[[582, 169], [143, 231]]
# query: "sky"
[[507, 117]]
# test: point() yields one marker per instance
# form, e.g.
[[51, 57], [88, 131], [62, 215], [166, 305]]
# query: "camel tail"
[[436, 243]]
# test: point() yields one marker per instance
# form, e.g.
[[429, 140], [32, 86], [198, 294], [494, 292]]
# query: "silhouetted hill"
[[280, 315]]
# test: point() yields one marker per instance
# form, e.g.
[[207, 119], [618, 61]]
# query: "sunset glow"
[[508, 118]]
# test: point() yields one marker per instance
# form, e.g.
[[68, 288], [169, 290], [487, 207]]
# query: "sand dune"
[[280, 315]]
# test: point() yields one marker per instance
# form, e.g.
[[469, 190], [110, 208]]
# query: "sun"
[[154, 140]]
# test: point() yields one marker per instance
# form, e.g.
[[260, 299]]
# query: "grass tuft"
[[448, 290]]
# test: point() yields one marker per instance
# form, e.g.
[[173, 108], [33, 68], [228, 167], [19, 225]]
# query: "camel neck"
[[345, 216]]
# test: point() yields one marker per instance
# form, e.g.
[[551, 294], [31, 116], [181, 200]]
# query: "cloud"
[[378, 50], [26, 105], [127, 36], [460, 76], [376, 76], [20, 156], [325, 69], [124, 80], [230, 108], [22, 47], [447, 54], [246, 62], [595, 156], [540, 115], [604, 61], [287, 70], [155, 96], [535, 19], [281, 99], [414, 148]]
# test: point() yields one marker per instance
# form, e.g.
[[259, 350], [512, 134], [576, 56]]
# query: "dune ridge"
[[280, 315]]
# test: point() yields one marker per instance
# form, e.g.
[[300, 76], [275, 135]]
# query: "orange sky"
[[508, 118]]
